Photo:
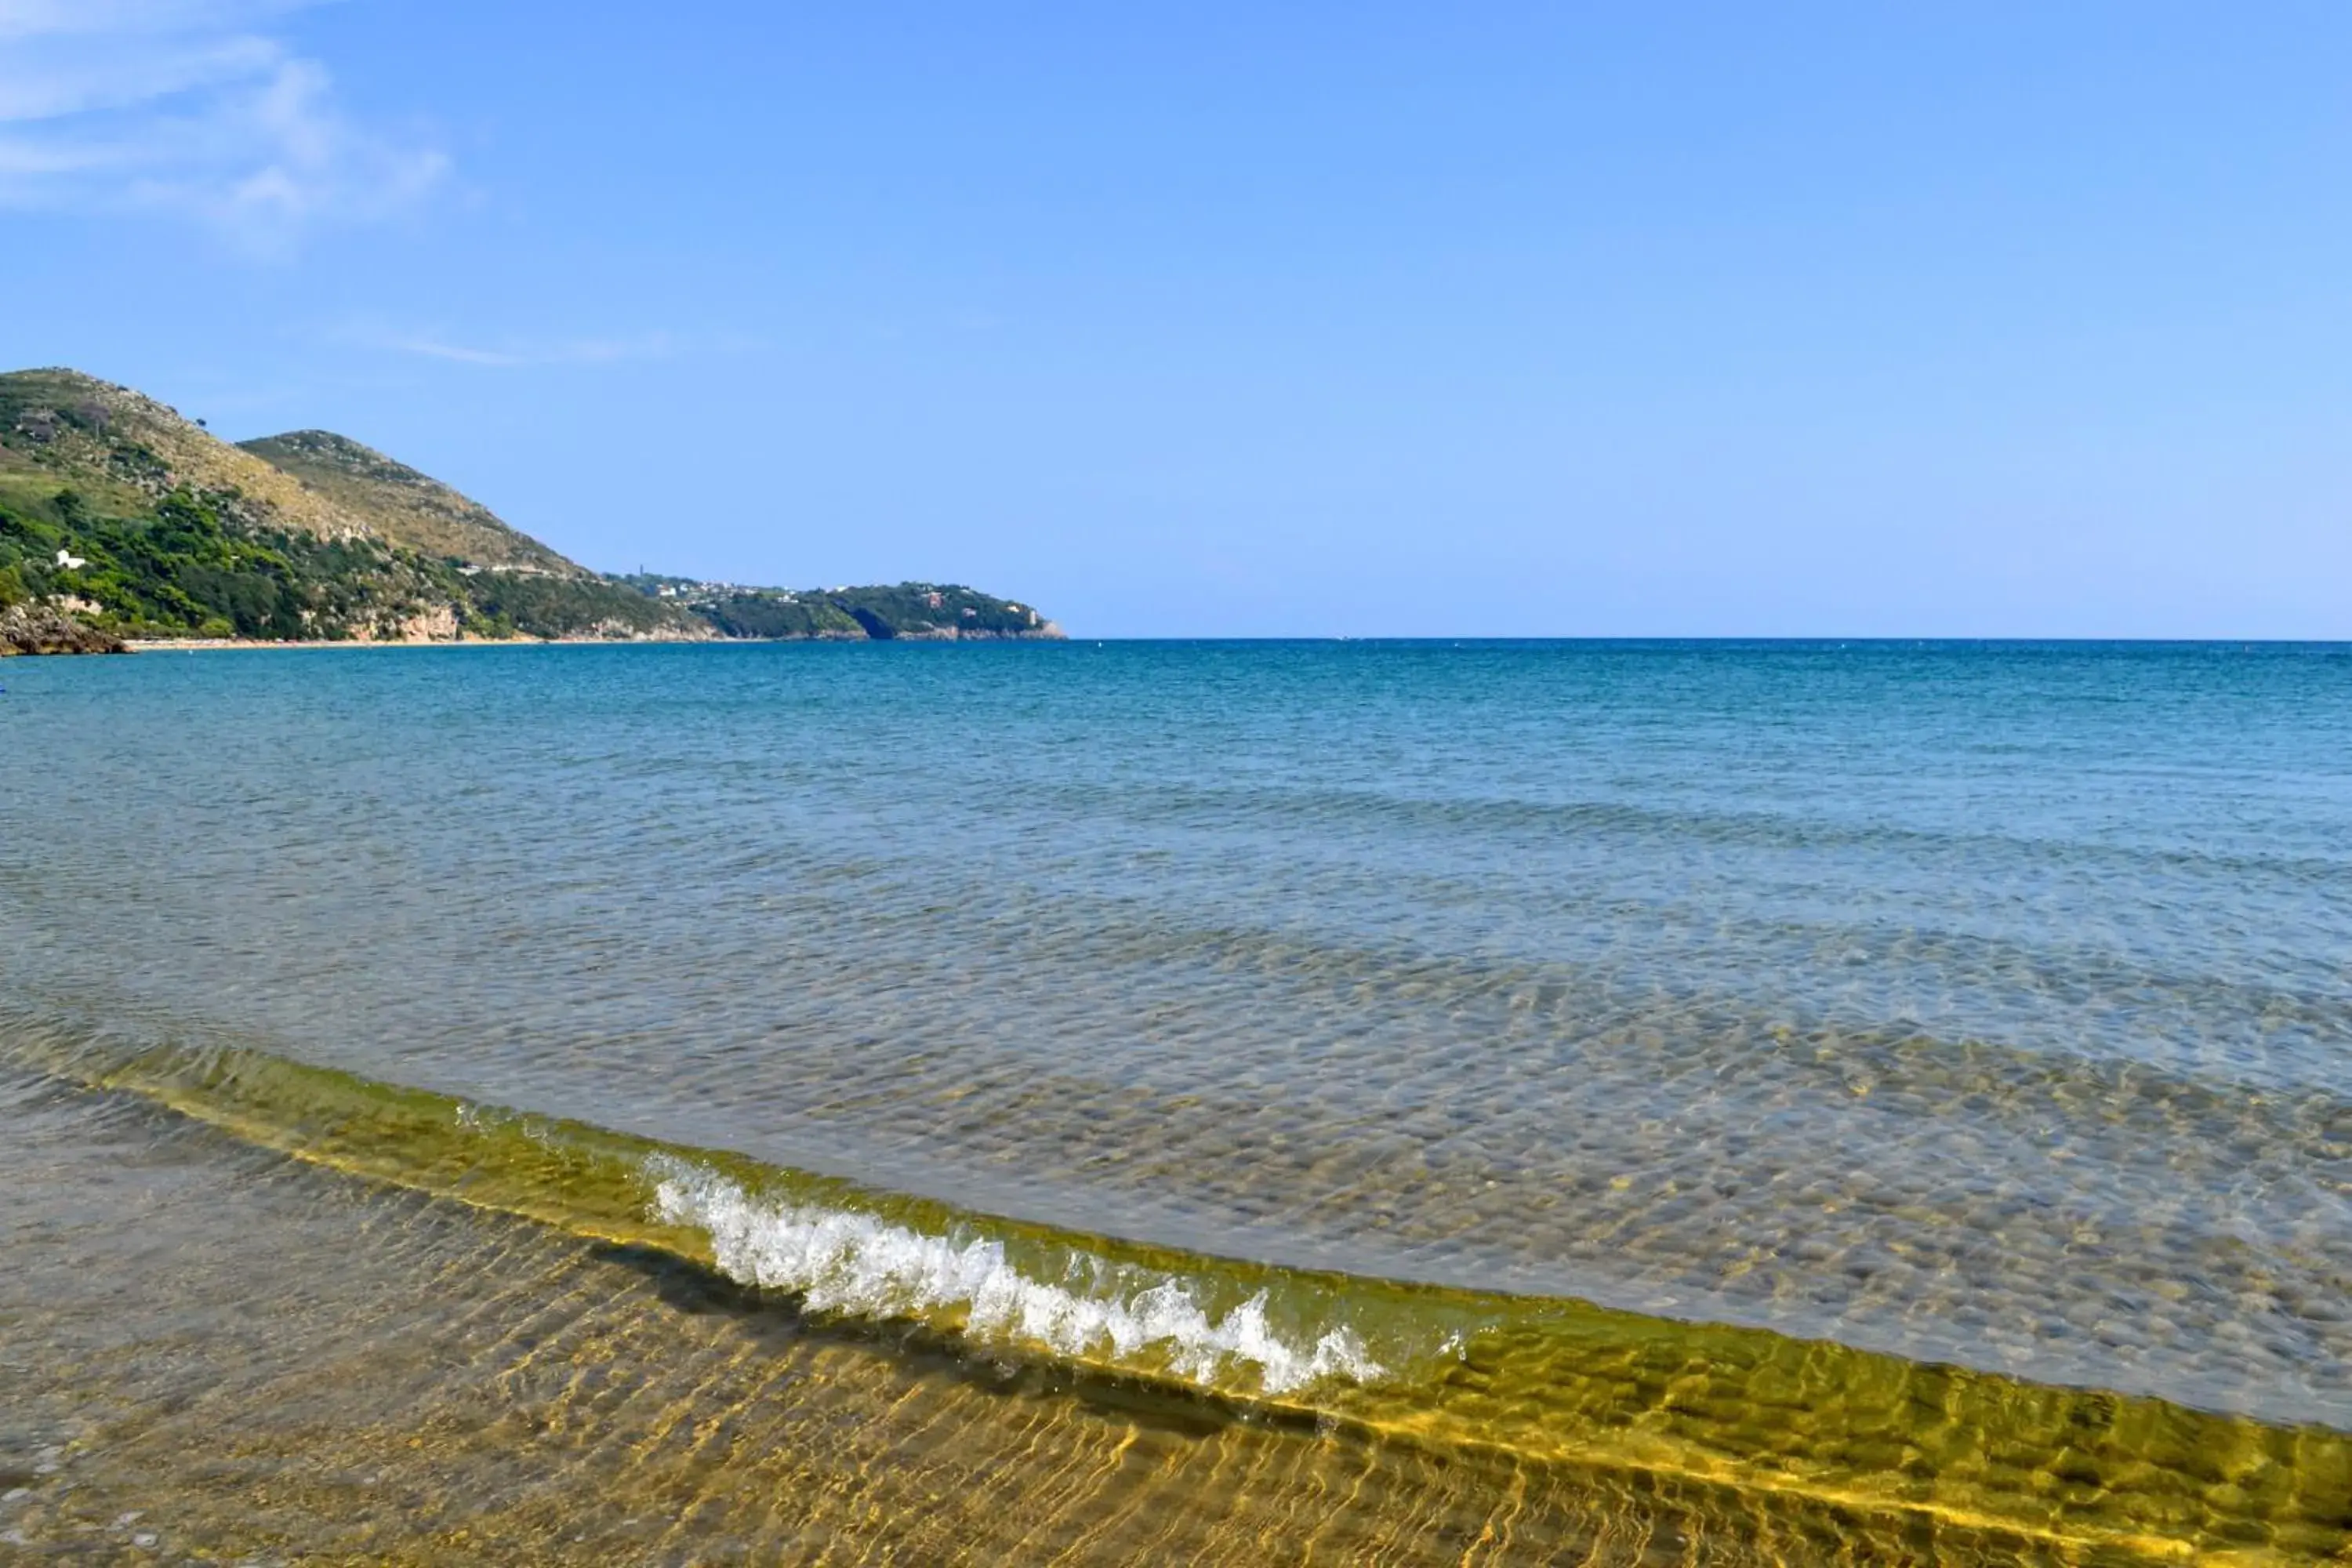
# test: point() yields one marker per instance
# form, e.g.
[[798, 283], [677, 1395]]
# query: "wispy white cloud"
[[507, 353], [182, 106], [456, 354]]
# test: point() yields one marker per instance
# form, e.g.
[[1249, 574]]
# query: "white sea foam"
[[843, 1262]]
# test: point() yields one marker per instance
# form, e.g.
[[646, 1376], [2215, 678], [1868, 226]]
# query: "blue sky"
[[1249, 319]]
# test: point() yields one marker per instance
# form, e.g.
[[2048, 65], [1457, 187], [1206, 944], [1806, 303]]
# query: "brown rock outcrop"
[[42, 628]]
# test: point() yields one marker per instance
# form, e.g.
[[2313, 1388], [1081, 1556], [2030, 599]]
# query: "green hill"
[[403, 506], [122, 452], [915, 611], [142, 524], [123, 518]]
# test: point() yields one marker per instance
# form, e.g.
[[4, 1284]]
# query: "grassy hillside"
[[176, 568], [123, 452], [405, 506], [186, 567], [122, 516], [143, 524]]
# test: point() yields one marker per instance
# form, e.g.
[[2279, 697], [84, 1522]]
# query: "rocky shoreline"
[[36, 628], [41, 628]]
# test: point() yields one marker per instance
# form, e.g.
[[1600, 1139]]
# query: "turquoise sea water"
[[1985, 1004], [1753, 1103]]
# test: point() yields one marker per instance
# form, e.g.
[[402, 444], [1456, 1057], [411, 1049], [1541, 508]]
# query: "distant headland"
[[123, 523]]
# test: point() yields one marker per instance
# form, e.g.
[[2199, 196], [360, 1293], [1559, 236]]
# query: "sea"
[[1415, 1101]]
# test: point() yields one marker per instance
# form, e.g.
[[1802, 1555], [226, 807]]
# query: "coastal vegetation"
[[916, 611], [186, 566], [415, 508], [120, 518]]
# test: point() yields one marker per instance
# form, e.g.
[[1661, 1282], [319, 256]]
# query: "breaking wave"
[[840, 1260]]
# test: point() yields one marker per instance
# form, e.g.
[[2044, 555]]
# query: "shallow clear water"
[[1989, 1004]]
